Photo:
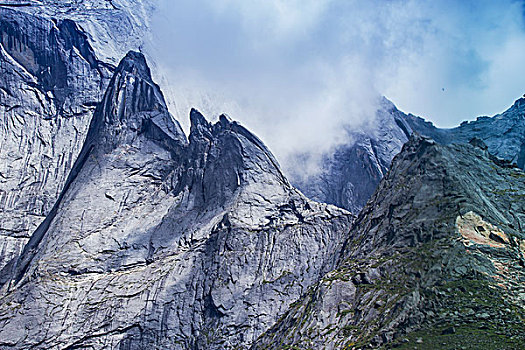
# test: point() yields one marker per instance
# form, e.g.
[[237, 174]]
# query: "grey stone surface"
[[113, 27], [504, 134], [350, 174], [160, 242], [56, 58], [50, 82]]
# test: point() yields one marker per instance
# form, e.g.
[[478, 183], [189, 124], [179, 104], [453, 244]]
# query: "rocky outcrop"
[[504, 134], [434, 260], [50, 82], [161, 242]]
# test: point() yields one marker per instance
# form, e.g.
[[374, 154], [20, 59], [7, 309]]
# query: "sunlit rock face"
[[159, 241]]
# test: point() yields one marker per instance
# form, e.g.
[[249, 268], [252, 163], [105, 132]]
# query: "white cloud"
[[273, 21], [458, 70], [296, 72]]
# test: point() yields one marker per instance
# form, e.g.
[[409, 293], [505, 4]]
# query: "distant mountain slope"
[[350, 174], [436, 259], [504, 134]]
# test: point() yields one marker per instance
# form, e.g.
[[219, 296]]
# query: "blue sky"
[[296, 71]]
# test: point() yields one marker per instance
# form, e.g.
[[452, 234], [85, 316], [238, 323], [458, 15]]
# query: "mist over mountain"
[[348, 175], [300, 72], [123, 226]]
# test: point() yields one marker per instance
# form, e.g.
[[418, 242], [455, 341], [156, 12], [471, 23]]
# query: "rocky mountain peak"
[[135, 63], [351, 172], [210, 229], [225, 120], [520, 102], [131, 91], [224, 161], [133, 105], [130, 127], [198, 121]]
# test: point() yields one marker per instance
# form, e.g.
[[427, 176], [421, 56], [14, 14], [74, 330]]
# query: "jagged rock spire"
[[132, 109], [130, 103], [157, 231]]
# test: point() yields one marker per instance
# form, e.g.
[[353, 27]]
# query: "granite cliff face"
[[350, 174], [161, 242], [436, 259], [56, 58], [50, 82], [113, 27]]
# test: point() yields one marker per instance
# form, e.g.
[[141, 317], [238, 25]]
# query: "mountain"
[[118, 230], [112, 27], [56, 59], [435, 260], [157, 241], [351, 172], [504, 134]]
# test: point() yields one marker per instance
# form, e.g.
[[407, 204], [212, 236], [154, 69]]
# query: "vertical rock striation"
[[50, 82]]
